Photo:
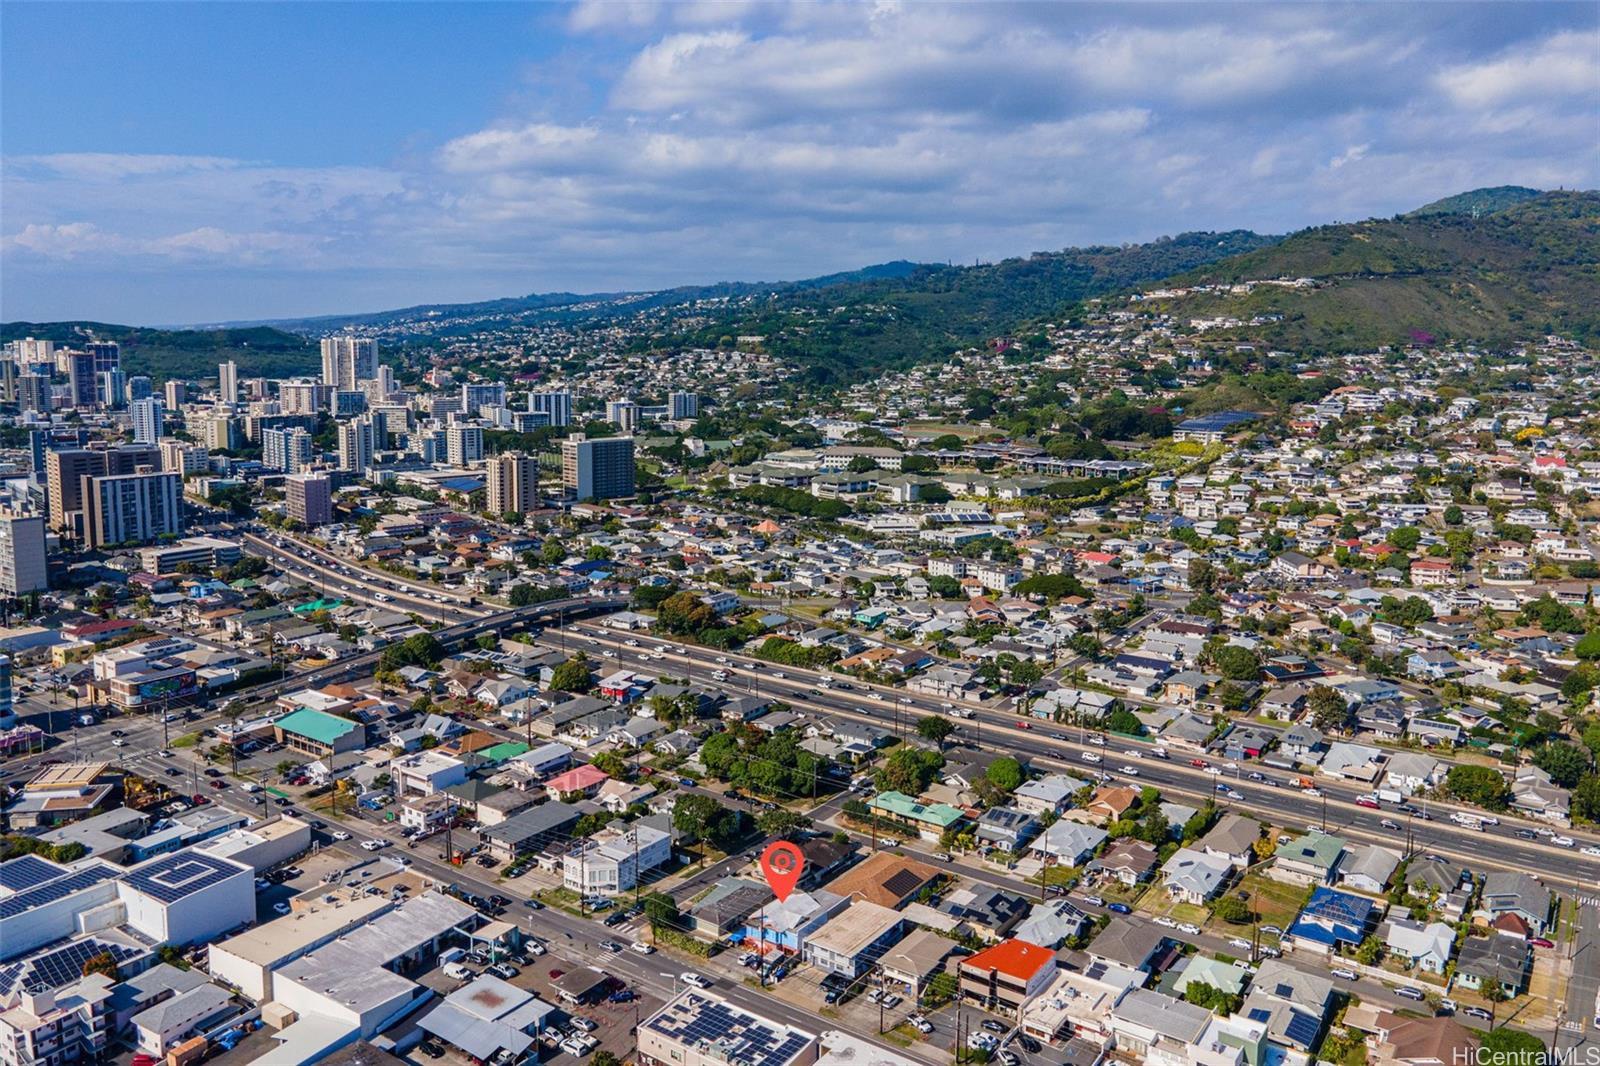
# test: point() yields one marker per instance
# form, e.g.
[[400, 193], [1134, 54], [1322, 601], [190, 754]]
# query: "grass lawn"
[[1275, 903]]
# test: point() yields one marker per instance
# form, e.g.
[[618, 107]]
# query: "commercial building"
[[356, 980], [308, 498], [176, 394], [228, 382], [133, 508], [513, 483], [22, 554], [149, 419], [288, 449], [247, 961], [597, 469], [701, 1029], [624, 414], [555, 406], [206, 552], [357, 442], [610, 867], [66, 472], [684, 405], [855, 939], [463, 444], [62, 1025], [319, 734], [302, 396], [488, 1018], [183, 457], [348, 361], [84, 385], [1003, 978]]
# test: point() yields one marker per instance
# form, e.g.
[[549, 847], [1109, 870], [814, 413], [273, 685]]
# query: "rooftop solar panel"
[[26, 871], [177, 876], [1303, 1028], [50, 891], [1260, 1014]]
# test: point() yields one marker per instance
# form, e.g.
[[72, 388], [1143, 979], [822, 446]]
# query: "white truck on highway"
[[1469, 820]]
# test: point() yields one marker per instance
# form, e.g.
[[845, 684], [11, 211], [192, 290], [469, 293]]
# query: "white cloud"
[[777, 140], [1563, 65]]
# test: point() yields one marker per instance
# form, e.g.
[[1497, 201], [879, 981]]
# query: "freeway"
[[1047, 747], [363, 587], [142, 727]]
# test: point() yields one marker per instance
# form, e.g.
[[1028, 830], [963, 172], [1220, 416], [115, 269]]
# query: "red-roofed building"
[[100, 632], [1002, 979], [585, 779]]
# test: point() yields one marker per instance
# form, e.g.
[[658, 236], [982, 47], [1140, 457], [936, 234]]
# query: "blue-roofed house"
[[1331, 919]]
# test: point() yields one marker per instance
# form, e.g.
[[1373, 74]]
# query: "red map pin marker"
[[782, 863]]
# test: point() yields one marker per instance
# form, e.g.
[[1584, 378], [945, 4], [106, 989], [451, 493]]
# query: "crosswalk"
[[1589, 901]]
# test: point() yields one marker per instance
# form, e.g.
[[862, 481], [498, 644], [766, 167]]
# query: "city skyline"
[[387, 156]]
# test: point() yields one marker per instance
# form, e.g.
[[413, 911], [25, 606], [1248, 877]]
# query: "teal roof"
[[903, 806], [316, 725]]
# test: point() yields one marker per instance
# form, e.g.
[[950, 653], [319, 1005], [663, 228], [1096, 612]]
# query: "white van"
[[457, 972]]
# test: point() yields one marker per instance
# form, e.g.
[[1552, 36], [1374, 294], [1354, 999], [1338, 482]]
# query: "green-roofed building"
[[501, 752], [1204, 970], [930, 820], [1310, 859], [319, 734]]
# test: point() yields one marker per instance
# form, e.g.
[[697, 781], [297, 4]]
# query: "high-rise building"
[[8, 380], [356, 444], [112, 387], [177, 394], [107, 355], [684, 405], [348, 361], [149, 420], [597, 469], [67, 469], [124, 508], [184, 457], [463, 444], [22, 554], [34, 394], [220, 429], [475, 396], [8, 713], [287, 449], [30, 351], [513, 483], [309, 498], [624, 414], [302, 396], [228, 382], [139, 387], [85, 385], [555, 405]]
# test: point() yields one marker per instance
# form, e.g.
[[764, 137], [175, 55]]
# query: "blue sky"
[[203, 162]]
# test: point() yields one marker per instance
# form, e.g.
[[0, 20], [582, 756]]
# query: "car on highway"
[[1024, 725], [1592, 849], [642, 948], [172, 771], [1131, 771], [1563, 841], [374, 844], [167, 754], [1089, 756], [339, 834], [1390, 824], [689, 977]]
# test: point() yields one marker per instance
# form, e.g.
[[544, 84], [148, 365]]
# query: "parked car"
[[1119, 908]]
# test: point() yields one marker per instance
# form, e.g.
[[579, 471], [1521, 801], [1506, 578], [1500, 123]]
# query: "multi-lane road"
[[1051, 746]]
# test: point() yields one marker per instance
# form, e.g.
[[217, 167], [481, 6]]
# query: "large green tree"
[[1482, 785]]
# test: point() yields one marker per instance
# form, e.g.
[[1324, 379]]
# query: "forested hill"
[[855, 328], [1447, 276], [260, 351]]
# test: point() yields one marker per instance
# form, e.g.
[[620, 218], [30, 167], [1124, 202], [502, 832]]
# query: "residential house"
[[1192, 876], [1423, 947], [1495, 959]]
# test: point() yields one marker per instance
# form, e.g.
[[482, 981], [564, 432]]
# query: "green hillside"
[[1479, 201], [1529, 269], [260, 351], [852, 329]]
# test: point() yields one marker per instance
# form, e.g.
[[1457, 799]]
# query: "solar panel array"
[[26, 871], [61, 967], [50, 891], [746, 1039], [1303, 1028], [171, 879], [903, 882]]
